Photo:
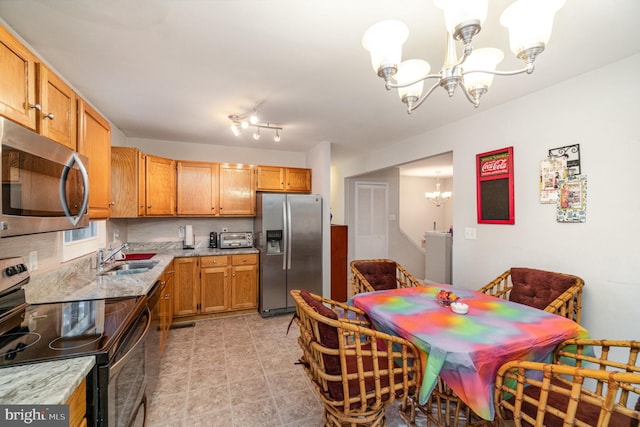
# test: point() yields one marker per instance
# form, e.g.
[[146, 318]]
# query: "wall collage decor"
[[561, 183]]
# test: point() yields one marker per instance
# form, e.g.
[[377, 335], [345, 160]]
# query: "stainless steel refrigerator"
[[288, 234]]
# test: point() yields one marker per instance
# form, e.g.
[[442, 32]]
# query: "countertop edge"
[[43, 383]]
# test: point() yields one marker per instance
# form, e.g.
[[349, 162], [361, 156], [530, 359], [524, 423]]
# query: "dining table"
[[466, 350]]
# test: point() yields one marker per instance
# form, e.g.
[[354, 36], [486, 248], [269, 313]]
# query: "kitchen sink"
[[129, 267]]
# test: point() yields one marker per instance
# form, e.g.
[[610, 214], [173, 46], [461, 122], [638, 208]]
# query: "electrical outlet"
[[33, 260], [470, 233], [181, 231]]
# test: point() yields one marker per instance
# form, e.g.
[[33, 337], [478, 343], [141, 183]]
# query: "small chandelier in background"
[[241, 122], [529, 23], [437, 196]]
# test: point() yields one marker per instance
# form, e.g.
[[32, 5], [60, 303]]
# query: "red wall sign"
[[494, 176]]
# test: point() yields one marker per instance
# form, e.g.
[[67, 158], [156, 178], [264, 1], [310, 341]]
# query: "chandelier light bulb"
[[276, 138], [256, 135], [235, 129], [244, 124], [253, 119]]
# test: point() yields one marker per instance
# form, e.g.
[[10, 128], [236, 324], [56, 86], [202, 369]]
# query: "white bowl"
[[459, 307]]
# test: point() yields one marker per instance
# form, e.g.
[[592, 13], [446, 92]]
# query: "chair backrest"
[[379, 273], [593, 382], [538, 288], [352, 366]]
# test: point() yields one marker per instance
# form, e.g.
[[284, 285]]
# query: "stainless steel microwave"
[[45, 186]]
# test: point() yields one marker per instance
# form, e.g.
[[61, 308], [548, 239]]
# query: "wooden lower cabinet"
[[244, 281], [186, 286], [166, 304], [78, 406], [215, 284]]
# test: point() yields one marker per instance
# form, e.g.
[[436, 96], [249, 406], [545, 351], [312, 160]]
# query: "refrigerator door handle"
[[285, 231], [289, 248]]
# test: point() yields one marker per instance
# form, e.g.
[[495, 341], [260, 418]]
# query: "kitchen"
[[84, 292], [605, 115]]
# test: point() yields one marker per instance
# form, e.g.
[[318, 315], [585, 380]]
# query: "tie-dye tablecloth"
[[466, 350]]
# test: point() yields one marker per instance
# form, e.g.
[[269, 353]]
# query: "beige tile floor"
[[236, 372]]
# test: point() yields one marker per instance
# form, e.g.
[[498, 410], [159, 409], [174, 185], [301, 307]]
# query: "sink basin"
[[139, 256], [129, 267]]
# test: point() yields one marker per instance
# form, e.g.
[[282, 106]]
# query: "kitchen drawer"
[[214, 261], [244, 259]]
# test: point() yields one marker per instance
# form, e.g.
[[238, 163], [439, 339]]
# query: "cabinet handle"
[[112, 203], [149, 207], [35, 107], [162, 282], [49, 116], [167, 296]]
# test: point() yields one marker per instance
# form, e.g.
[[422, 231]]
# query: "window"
[[82, 241]]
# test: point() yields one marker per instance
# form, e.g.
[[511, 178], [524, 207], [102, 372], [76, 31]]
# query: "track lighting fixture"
[[240, 122]]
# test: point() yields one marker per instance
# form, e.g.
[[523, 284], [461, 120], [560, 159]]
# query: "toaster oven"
[[233, 240]]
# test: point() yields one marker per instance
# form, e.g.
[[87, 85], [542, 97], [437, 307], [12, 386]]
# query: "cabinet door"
[[58, 103], [270, 178], [125, 182], [186, 286], [160, 186], [297, 179], [237, 190], [214, 285], [94, 141], [17, 81], [141, 196], [244, 287], [197, 188]]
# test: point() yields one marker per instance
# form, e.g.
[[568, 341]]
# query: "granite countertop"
[[44, 383], [80, 281]]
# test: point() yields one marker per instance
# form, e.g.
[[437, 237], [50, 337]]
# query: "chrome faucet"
[[102, 259]]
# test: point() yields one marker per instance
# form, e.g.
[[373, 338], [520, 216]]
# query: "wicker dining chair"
[[557, 293], [370, 275], [578, 388], [356, 371]]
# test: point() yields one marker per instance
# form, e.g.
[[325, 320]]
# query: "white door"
[[370, 221]]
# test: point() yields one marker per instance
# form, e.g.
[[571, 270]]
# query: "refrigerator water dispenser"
[[274, 241]]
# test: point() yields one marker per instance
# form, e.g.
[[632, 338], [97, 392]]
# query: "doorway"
[[371, 212]]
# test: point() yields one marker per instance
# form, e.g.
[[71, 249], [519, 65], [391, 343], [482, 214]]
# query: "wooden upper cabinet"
[[127, 182], [57, 118], [160, 186], [270, 178], [17, 81], [297, 179], [197, 188], [237, 190], [94, 141], [275, 178]]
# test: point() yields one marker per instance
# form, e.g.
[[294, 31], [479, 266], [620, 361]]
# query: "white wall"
[[598, 110]]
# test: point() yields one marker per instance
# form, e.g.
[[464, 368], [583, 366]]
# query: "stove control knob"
[[11, 270]]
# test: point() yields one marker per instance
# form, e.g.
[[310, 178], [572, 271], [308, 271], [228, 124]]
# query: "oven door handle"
[[127, 355]]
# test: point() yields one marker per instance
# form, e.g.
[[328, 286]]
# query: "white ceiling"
[[174, 70]]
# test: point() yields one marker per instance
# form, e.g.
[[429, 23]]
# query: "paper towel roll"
[[188, 235]]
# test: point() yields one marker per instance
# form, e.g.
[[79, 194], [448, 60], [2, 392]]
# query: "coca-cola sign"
[[494, 165], [495, 188]]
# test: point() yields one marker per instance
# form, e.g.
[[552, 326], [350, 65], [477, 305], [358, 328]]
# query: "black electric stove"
[[37, 332]]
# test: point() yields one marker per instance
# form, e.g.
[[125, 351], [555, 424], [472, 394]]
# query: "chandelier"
[[244, 121], [529, 23], [437, 196]]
